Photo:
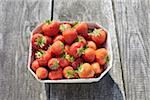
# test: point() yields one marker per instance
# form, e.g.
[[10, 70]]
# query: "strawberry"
[[43, 57], [68, 72], [76, 49], [69, 35], [41, 73], [89, 55], [82, 29], [97, 68], [98, 36], [53, 64], [91, 44], [35, 65], [50, 28], [86, 71], [40, 42], [63, 62], [102, 56], [57, 48], [55, 74], [77, 63]]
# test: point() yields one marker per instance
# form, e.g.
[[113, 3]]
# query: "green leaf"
[[39, 54], [80, 51], [96, 32], [107, 58], [40, 41], [48, 21], [70, 73]]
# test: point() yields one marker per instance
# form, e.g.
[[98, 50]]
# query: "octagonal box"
[[107, 45]]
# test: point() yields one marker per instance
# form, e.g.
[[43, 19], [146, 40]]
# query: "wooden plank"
[[17, 20], [133, 28], [108, 88]]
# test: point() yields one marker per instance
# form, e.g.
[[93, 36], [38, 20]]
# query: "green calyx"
[[70, 73], [48, 21], [107, 59], [55, 65], [69, 58], [75, 24], [40, 41], [80, 51], [39, 54], [96, 32]]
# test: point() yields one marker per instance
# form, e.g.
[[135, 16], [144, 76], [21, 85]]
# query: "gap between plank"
[[113, 7]]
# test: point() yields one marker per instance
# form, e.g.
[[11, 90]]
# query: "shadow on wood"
[[105, 89]]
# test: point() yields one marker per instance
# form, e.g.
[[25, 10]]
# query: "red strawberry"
[[69, 35], [40, 42], [51, 28], [102, 56], [98, 36], [57, 48], [89, 55], [82, 29], [53, 64], [35, 65], [68, 72], [91, 44], [41, 73], [76, 49], [67, 48], [77, 63], [55, 74], [63, 62], [43, 57]]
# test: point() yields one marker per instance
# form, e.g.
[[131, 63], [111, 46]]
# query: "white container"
[[89, 80]]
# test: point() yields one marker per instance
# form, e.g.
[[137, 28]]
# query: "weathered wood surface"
[[128, 23], [17, 19], [132, 19], [96, 11]]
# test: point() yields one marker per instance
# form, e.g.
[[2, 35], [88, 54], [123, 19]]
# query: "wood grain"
[[17, 20], [108, 88], [133, 28]]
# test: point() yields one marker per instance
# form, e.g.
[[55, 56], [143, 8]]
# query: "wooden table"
[[128, 23]]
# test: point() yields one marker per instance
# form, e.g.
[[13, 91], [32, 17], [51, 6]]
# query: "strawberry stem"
[[55, 65], [48, 21], [40, 41]]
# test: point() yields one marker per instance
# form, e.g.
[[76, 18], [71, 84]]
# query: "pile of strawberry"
[[65, 50]]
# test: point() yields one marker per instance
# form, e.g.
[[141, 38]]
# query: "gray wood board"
[[96, 11], [17, 20], [132, 19]]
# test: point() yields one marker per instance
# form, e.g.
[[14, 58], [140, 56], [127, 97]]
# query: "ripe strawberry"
[[35, 65], [89, 55], [60, 38], [86, 71], [81, 40], [51, 28], [69, 35], [91, 44], [97, 68], [57, 48], [40, 42], [43, 57], [68, 72], [55, 74], [64, 27], [101, 56], [99, 36], [53, 64], [76, 49], [77, 63], [82, 29], [63, 62], [41, 73]]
